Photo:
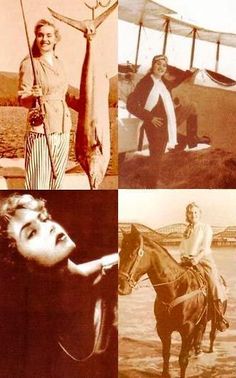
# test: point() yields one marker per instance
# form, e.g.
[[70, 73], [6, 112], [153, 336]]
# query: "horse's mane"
[[153, 241]]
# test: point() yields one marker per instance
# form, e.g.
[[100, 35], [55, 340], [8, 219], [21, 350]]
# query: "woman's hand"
[[189, 260], [36, 91], [157, 121], [194, 261], [108, 261]]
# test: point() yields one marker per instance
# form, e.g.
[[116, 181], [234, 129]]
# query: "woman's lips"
[[60, 237]]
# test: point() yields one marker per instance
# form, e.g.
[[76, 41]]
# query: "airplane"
[[204, 86]]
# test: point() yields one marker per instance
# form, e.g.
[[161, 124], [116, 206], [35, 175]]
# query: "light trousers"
[[37, 162]]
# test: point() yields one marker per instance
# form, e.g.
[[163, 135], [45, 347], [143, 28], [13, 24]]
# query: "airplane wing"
[[185, 29], [143, 12], [154, 16]]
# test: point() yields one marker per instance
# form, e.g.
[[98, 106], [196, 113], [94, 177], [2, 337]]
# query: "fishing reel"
[[35, 117]]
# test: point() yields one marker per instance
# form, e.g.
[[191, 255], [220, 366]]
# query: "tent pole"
[[193, 47], [166, 29], [137, 50], [217, 56]]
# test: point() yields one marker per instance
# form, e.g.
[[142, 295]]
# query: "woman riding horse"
[[181, 303], [195, 248]]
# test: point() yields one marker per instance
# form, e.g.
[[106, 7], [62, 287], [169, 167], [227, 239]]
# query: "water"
[[140, 347]]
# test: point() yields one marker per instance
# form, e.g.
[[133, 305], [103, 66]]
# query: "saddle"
[[216, 308]]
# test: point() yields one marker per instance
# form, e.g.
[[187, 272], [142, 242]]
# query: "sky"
[[219, 15], [71, 48], [157, 208]]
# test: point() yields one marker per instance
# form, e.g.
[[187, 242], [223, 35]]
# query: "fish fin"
[[74, 23], [99, 20]]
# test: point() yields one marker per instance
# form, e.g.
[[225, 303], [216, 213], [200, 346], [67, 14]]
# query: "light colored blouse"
[[54, 85], [199, 242]]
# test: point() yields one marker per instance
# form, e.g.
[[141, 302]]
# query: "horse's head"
[[132, 261]]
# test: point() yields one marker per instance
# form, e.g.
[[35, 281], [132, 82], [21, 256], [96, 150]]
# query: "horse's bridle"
[[129, 276]]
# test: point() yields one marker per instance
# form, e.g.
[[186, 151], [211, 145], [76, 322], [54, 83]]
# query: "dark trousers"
[[157, 140], [187, 113]]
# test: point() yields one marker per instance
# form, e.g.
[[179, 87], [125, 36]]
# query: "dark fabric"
[[37, 314], [192, 130], [157, 136]]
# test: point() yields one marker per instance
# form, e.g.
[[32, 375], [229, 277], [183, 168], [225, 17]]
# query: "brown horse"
[[181, 302]]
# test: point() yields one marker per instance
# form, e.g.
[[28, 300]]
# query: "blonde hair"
[[8, 250], [189, 207], [38, 26]]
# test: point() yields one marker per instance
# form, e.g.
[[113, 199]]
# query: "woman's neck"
[[48, 56], [194, 224], [157, 77]]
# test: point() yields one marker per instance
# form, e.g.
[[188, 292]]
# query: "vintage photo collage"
[[118, 189]]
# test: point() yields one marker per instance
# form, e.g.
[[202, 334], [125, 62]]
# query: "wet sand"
[[140, 347]]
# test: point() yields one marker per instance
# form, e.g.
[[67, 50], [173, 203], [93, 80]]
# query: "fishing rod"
[[36, 116]]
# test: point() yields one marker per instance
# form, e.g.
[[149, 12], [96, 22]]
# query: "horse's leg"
[[166, 342], [212, 334], [187, 342], [198, 335], [213, 329]]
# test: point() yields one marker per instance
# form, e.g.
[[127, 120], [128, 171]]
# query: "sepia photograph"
[[58, 284], [176, 89], [58, 95], [177, 283]]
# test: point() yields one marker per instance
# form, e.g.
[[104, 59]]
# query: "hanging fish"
[[92, 146]]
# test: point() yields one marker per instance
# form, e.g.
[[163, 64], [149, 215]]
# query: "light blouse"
[[53, 82], [199, 242]]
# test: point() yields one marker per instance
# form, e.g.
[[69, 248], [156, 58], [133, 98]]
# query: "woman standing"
[[152, 103], [51, 87], [195, 248]]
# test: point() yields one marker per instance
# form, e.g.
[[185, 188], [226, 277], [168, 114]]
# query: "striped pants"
[[37, 163]]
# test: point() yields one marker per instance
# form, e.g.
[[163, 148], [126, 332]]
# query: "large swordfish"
[[92, 145]]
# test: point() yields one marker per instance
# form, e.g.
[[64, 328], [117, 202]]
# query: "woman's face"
[[159, 68], [46, 39], [193, 215], [39, 239]]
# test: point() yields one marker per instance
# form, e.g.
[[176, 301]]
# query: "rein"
[[170, 282], [129, 276]]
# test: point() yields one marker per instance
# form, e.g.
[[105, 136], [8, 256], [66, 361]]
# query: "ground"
[[207, 168], [140, 347]]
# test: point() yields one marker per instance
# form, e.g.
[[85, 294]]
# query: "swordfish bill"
[[92, 144]]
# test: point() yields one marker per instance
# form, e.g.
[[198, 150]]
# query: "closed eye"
[[31, 234]]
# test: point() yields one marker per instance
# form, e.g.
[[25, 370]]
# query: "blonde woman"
[[54, 312], [51, 88], [195, 248]]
